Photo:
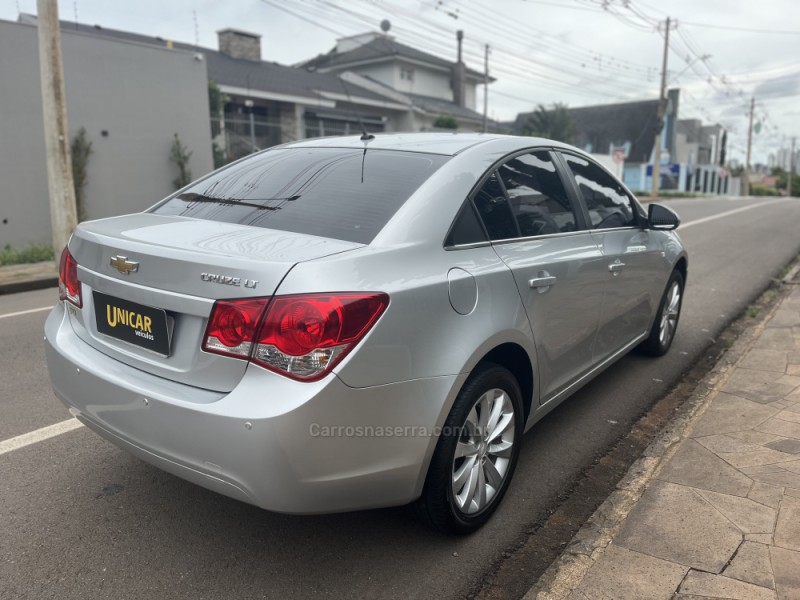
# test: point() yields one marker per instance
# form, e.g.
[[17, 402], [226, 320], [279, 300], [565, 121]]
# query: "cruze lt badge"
[[123, 265], [228, 280]]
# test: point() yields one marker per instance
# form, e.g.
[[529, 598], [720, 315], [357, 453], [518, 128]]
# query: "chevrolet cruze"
[[349, 323]]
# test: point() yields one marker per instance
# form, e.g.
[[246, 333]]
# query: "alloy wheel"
[[483, 452], [669, 316]]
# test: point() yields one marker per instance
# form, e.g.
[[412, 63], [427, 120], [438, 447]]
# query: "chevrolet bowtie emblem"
[[123, 265]]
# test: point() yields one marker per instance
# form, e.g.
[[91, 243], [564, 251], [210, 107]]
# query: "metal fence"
[[243, 134]]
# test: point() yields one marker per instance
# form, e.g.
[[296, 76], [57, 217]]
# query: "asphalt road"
[[82, 519]]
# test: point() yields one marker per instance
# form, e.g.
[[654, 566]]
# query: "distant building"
[[703, 149], [265, 103], [435, 87], [691, 153], [631, 127], [132, 92], [783, 159]]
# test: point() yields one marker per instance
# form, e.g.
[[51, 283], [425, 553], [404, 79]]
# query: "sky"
[[576, 52]]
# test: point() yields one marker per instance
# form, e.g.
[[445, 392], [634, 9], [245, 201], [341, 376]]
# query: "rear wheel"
[[476, 453], [666, 323]]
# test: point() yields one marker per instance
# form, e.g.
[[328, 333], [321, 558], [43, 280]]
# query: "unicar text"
[[141, 324]]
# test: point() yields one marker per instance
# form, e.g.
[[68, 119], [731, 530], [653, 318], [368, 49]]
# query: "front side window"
[[608, 204], [537, 196]]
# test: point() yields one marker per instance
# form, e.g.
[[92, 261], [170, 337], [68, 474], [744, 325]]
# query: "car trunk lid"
[[149, 283]]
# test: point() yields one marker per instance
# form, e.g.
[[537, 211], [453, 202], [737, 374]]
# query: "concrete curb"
[[26, 277], [792, 275], [567, 572], [28, 285]]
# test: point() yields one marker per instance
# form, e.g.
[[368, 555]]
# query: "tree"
[[555, 123], [783, 180], [216, 106], [80, 150], [180, 155], [445, 122]]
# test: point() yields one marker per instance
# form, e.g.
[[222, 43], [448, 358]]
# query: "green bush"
[[763, 190], [180, 155], [445, 122], [32, 254], [81, 150]]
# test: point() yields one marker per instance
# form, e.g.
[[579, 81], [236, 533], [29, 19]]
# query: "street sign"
[[673, 169]]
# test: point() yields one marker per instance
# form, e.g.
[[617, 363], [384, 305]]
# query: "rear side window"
[[495, 212], [608, 204], [341, 193], [466, 229]]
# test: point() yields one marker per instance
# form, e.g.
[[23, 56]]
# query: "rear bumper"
[[282, 445]]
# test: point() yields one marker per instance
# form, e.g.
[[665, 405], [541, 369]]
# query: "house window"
[[407, 73]]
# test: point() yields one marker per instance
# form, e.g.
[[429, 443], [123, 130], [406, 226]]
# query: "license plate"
[[140, 325]]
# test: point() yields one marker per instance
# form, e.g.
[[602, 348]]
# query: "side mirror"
[[662, 218]]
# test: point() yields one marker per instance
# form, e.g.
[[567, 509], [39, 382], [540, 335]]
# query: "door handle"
[[542, 282], [616, 267]]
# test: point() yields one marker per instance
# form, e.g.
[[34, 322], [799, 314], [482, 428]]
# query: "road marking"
[[33, 437], [732, 212], [25, 312]]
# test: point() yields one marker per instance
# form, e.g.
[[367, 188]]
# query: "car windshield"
[[342, 193]]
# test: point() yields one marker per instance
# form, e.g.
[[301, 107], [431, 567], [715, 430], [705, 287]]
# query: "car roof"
[[435, 143]]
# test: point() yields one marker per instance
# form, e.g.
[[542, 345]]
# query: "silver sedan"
[[350, 323]]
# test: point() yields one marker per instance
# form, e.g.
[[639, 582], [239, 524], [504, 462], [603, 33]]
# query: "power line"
[[746, 29], [545, 74]]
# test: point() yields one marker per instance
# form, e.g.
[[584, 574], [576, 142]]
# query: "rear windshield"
[[339, 193]]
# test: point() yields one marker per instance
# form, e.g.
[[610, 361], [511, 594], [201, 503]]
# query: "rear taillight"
[[302, 337], [232, 326], [69, 288]]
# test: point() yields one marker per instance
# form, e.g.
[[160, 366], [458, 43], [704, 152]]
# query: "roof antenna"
[[365, 135], [196, 29]]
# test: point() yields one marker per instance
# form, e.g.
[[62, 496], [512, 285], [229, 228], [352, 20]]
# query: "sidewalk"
[[712, 510], [21, 278]]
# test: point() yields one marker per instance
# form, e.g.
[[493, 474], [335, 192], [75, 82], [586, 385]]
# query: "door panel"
[[556, 263], [631, 255], [633, 261], [564, 314]]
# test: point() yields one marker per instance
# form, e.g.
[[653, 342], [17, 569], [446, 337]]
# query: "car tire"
[[666, 322], [476, 454]]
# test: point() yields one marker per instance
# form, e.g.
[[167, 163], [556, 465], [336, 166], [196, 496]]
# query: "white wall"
[[606, 160], [470, 94], [427, 82], [386, 73], [140, 95]]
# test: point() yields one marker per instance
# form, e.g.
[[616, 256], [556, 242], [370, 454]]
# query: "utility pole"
[[746, 186], [63, 214], [791, 170], [486, 89], [662, 109]]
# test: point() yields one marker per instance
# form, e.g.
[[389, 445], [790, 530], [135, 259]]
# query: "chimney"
[[459, 74], [239, 44]]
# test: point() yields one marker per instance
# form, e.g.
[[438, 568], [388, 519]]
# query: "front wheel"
[[666, 322], [476, 453]]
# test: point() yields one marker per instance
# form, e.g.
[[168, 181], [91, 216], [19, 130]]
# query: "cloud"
[[779, 87]]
